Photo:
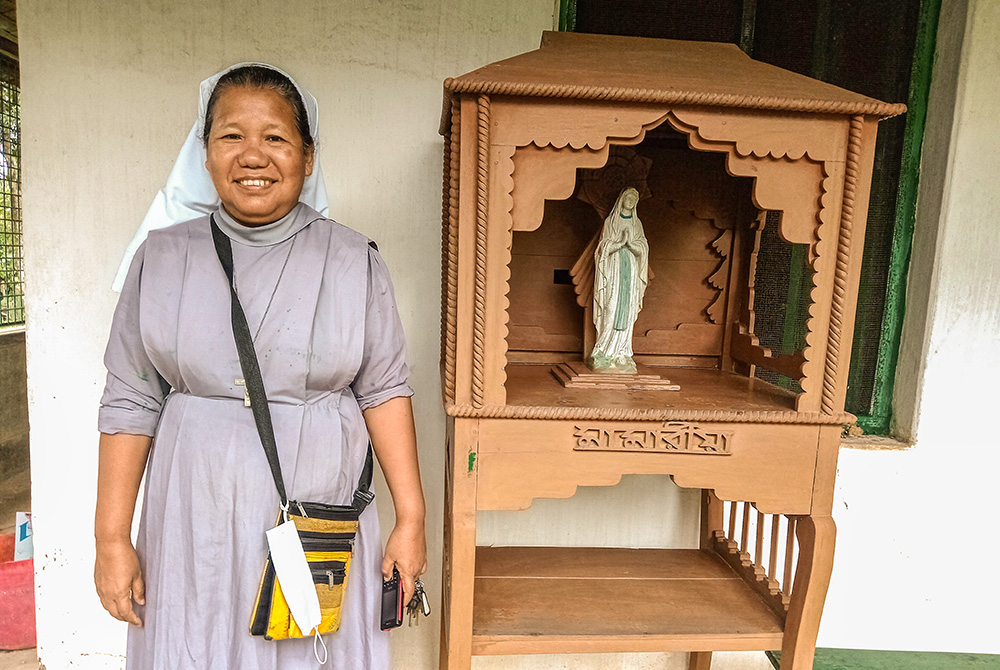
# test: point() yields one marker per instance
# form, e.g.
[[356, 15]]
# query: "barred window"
[[11, 250]]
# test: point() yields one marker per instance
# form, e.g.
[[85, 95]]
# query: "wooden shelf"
[[548, 600], [701, 389]]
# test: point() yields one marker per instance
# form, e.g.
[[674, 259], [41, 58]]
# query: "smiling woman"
[[319, 305], [259, 147]]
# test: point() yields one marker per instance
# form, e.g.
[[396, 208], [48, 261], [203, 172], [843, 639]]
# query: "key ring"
[[418, 603]]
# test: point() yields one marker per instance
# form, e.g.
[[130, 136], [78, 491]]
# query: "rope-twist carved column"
[[482, 205], [449, 249], [446, 189], [828, 403]]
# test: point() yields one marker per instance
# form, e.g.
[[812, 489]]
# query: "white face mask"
[[294, 576]]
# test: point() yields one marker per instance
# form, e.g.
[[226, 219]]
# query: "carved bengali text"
[[671, 437]]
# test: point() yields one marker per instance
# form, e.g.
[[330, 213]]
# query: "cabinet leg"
[[700, 660], [816, 536], [711, 518], [459, 548]]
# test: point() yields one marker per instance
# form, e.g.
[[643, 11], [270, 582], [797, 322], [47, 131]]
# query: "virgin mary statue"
[[621, 276]]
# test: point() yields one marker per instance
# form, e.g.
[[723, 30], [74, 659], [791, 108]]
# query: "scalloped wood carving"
[[547, 173], [511, 481], [498, 272], [760, 133], [573, 123], [823, 264], [716, 310], [780, 184]]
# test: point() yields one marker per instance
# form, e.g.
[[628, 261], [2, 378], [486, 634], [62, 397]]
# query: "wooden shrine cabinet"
[[754, 186]]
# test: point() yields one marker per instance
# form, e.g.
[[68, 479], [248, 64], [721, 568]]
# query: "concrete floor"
[[18, 660]]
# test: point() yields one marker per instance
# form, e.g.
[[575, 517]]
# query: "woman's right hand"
[[118, 579], [117, 575]]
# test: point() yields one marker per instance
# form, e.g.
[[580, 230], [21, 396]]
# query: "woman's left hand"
[[406, 549]]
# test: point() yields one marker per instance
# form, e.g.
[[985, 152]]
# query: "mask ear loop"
[[318, 642]]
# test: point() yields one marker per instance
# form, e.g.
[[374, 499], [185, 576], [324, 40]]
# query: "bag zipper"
[[319, 534], [328, 572], [328, 512], [317, 544]]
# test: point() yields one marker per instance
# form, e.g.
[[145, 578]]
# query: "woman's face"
[[255, 155], [630, 200]]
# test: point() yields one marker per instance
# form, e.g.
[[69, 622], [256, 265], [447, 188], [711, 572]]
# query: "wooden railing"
[[761, 547]]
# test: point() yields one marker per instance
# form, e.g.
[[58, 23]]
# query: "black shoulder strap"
[[255, 384]]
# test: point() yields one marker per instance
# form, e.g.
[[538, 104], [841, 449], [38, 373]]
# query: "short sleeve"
[[383, 373], [134, 391]]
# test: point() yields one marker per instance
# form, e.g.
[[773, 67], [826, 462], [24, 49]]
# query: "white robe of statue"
[[622, 269]]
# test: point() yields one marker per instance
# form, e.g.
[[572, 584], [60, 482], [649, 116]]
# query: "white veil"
[[189, 192]]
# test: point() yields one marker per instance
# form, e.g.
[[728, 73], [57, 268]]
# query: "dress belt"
[[327, 398]]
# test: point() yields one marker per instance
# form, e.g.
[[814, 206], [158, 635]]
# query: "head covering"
[[189, 192]]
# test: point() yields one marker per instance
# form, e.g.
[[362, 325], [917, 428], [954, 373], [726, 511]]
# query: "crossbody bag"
[[326, 532]]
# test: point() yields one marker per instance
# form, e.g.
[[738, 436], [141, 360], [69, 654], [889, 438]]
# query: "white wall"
[[917, 531], [109, 93]]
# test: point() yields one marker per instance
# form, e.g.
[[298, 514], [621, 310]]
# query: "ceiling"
[[8, 20]]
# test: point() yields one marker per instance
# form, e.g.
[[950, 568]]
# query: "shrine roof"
[[637, 69]]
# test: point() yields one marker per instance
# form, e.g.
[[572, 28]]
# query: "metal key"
[[412, 609], [418, 604]]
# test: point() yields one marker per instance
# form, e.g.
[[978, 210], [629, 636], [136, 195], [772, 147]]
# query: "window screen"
[[11, 255]]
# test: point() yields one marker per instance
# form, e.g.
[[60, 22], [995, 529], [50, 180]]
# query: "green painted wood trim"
[[874, 659], [873, 425], [567, 15], [879, 422]]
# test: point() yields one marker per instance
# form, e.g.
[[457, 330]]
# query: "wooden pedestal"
[[576, 375]]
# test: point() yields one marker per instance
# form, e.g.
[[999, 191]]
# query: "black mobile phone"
[[392, 601]]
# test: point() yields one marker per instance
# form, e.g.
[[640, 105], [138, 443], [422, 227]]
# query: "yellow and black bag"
[[327, 535], [326, 531]]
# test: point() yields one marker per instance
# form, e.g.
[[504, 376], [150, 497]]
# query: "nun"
[[320, 308]]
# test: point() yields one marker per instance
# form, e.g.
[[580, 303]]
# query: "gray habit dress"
[[319, 300]]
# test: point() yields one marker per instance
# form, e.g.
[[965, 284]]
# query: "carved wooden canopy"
[[575, 65], [523, 127]]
